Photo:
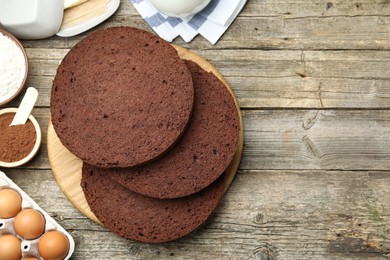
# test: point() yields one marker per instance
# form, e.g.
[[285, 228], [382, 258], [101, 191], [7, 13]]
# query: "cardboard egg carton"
[[30, 247]]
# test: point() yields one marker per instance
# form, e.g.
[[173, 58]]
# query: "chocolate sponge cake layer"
[[202, 154], [121, 98], [142, 218]]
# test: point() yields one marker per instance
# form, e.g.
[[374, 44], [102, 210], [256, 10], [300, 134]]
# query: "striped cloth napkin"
[[211, 22]]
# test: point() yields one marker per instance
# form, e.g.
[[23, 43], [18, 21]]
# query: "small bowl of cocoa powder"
[[19, 143]]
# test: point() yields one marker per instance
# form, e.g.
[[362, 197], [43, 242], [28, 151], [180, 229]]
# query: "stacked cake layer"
[[156, 133]]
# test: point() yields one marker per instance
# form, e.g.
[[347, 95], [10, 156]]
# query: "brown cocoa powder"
[[16, 142]]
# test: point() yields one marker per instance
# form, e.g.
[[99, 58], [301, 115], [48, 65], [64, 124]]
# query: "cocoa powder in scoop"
[[16, 142]]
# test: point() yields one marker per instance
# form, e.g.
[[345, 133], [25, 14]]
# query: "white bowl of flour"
[[13, 67]]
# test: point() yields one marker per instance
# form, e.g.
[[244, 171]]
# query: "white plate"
[[85, 26]]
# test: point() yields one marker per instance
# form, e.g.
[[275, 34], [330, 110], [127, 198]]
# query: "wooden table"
[[313, 81]]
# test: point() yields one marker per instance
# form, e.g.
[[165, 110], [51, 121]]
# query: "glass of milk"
[[180, 8]]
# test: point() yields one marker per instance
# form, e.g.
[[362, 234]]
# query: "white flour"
[[12, 67]]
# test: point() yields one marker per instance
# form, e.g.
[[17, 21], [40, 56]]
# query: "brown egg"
[[53, 245], [10, 203], [30, 258], [29, 224], [10, 247]]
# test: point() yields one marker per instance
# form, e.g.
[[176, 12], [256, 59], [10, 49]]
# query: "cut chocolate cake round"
[[202, 154], [142, 218], [121, 97]]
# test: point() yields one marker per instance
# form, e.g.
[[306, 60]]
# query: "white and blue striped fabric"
[[211, 22]]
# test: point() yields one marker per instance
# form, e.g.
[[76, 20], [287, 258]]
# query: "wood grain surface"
[[313, 81]]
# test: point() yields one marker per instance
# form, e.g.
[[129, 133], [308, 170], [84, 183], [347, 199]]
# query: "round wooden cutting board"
[[66, 167]]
